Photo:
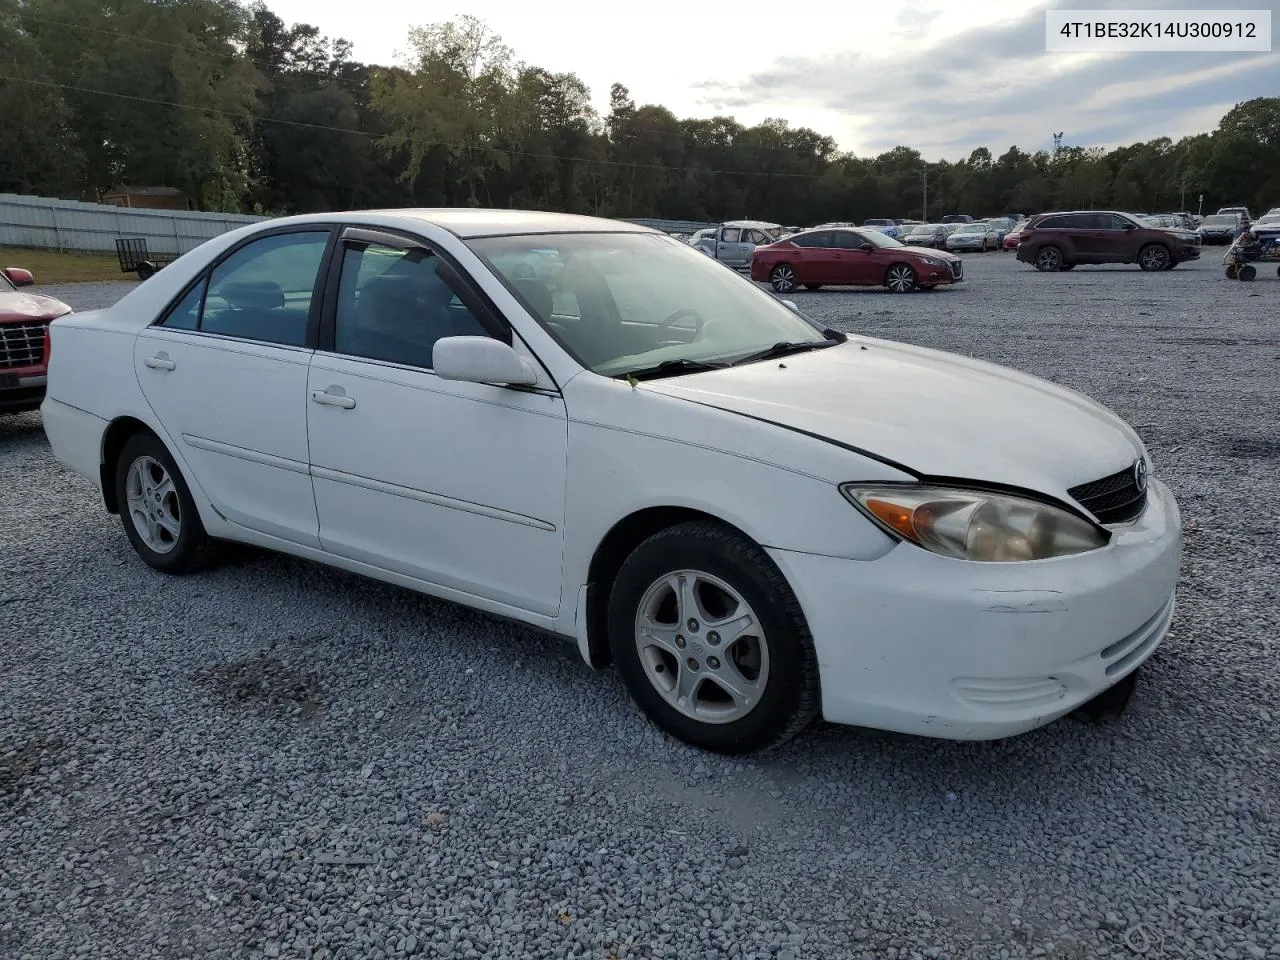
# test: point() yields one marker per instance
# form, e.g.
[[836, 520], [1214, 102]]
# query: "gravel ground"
[[276, 759]]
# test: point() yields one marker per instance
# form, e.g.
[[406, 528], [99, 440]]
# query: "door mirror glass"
[[480, 360]]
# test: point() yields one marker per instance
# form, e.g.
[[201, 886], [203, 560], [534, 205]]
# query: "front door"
[[225, 372], [858, 266], [458, 484]]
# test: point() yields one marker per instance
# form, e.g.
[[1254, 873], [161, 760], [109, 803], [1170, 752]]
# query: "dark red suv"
[[1059, 241]]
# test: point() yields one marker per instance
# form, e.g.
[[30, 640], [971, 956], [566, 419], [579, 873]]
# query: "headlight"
[[934, 262], [973, 524]]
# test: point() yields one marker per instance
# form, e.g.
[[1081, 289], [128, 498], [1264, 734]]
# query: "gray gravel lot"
[[276, 759]]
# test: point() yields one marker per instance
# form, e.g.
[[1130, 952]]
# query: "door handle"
[[333, 399], [160, 361]]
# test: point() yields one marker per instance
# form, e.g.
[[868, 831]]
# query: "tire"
[[1154, 258], [813, 286], [1247, 272], [1110, 704], [1231, 271], [900, 278], [144, 463], [783, 278], [1172, 263], [146, 270], [1049, 259], [774, 668]]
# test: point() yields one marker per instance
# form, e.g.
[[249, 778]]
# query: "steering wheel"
[[698, 319]]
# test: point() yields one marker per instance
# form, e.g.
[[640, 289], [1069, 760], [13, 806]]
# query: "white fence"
[[72, 225]]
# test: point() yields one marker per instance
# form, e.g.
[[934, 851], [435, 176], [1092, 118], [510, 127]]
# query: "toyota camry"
[[589, 427]]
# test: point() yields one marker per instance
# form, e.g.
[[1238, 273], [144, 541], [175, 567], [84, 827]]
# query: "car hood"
[[936, 414], [16, 306], [924, 252]]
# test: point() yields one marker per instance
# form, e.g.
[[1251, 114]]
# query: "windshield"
[[972, 228], [1218, 220], [880, 239], [5, 284], [626, 301], [922, 228]]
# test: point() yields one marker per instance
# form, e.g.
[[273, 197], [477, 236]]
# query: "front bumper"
[[925, 644], [22, 389]]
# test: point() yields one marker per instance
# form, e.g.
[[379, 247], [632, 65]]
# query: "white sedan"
[[974, 236], [758, 521]]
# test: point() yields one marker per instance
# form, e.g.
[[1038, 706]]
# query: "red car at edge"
[[844, 257], [24, 341]]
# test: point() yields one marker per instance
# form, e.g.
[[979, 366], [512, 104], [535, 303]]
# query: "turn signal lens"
[[975, 524]]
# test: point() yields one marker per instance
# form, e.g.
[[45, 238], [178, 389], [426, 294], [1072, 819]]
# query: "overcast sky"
[[943, 76]]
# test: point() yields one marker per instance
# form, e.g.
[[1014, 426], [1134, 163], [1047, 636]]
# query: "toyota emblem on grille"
[[1140, 475]]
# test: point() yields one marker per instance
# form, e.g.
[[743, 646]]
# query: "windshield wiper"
[[671, 368], [785, 348]]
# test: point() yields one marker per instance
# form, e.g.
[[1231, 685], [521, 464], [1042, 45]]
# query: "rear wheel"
[[783, 278], [710, 641], [1247, 272], [1231, 271], [900, 278], [1154, 257], [1048, 259], [156, 508]]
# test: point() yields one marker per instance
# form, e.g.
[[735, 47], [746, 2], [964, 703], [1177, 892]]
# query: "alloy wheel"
[[900, 278], [702, 647], [783, 278], [1049, 259], [1154, 258], [152, 500]]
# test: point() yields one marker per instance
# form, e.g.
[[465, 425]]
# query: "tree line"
[[246, 113]]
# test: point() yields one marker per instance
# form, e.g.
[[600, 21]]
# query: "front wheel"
[[783, 278], [710, 641], [1048, 259], [156, 508], [900, 278], [1154, 257], [1231, 271], [1247, 272]]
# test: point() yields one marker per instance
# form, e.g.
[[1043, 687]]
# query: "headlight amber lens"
[[974, 524]]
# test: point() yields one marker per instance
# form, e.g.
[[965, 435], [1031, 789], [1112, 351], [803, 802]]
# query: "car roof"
[[745, 224], [468, 222]]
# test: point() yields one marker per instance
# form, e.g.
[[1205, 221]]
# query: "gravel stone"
[[196, 766]]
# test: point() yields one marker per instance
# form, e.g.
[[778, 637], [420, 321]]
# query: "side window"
[[185, 314], [394, 306], [730, 235], [820, 239], [1050, 223], [847, 240], [263, 291], [1109, 221]]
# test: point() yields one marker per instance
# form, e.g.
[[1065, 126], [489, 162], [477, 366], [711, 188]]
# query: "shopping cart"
[[1257, 244]]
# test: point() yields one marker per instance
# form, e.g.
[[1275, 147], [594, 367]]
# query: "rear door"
[[225, 371], [815, 263]]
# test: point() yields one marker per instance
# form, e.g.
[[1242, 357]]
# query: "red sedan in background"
[[24, 341], [1011, 238], [843, 257]]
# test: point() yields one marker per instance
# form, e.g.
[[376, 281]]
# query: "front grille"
[[22, 344], [957, 269], [1113, 499]]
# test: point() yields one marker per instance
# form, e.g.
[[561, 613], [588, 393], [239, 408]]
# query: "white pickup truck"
[[733, 242]]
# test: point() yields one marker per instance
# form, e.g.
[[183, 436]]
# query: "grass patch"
[[50, 266]]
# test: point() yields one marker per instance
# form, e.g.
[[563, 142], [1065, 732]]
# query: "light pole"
[[924, 203]]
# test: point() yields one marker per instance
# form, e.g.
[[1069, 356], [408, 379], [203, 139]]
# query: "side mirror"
[[480, 360], [19, 277], [790, 305], [866, 247]]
